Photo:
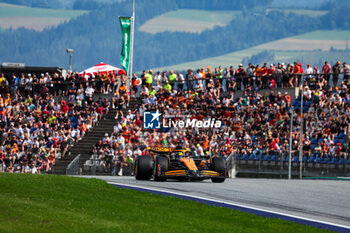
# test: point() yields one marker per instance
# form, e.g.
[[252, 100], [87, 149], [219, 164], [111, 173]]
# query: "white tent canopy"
[[103, 68]]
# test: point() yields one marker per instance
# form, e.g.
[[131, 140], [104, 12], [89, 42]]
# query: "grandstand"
[[95, 124]]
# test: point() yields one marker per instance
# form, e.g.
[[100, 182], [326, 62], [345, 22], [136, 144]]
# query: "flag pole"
[[132, 44]]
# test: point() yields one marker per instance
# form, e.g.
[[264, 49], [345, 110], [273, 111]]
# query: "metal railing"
[[278, 167], [73, 167]]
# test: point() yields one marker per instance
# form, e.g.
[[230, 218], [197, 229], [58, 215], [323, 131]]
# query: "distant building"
[[9, 68]]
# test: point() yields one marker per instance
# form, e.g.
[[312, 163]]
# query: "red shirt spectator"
[[296, 69], [65, 108], [301, 67], [326, 68]]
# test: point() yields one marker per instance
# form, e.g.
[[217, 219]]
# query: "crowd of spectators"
[[254, 125], [58, 85], [253, 77], [37, 127]]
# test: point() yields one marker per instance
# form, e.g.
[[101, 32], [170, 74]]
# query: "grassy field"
[[188, 21], [325, 35], [9, 10], [203, 15], [298, 3], [312, 13], [231, 59], [313, 46], [293, 44], [16, 16], [196, 21], [47, 203]]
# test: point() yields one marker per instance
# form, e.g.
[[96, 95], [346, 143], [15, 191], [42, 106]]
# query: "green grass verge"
[[12, 11], [48, 203]]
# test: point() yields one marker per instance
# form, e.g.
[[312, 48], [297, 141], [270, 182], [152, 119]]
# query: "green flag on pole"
[[125, 24]]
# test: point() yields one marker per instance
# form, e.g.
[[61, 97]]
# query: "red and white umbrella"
[[103, 68]]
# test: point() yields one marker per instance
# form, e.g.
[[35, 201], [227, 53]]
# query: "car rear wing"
[[160, 149], [165, 149]]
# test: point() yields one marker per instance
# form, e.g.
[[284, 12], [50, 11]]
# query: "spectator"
[[172, 78], [180, 81], [326, 70], [336, 69], [149, 79], [346, 71], [135, 83]]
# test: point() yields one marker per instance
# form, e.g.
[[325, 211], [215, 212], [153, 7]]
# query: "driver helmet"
[[180, 155]]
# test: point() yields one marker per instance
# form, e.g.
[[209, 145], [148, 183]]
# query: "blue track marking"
[[246, 209]]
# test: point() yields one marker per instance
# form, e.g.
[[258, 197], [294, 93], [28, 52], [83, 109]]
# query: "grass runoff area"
[[48, 203]]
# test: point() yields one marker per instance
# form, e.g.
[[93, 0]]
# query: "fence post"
[[73, 166]]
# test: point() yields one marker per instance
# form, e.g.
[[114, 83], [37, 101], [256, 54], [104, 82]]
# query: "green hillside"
[[325, 35], [9, 10], [198, 35], [313, 13], [203, 15], [298, 3], [186, 20], [16, 16], [288, 54], [193, 20]]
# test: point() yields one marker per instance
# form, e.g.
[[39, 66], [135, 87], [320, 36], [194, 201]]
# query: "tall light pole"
[[70, 53], [131, 45], [301, 129], [290, 113]]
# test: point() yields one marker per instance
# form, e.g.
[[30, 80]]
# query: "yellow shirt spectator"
[[167, 87]]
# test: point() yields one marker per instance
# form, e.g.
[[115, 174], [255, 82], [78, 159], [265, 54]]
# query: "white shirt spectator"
[[147, 100], [144, 90], [106, 138], [180, 78], [199, 76], [57, 107], [128, 152], [164, 78], [200, 151], [338, 100], [89, 91], [121, 141], [130, 116], [158, 78], [137, 152], [157, 86], [309, 71], [199, 86], [307, 92], [153, 100], [117, 128]]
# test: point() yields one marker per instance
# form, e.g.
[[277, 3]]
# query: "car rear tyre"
[[161, 165], [143, 168], [218, 165]]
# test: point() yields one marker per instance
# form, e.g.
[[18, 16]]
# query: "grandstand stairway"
[[85, 146]]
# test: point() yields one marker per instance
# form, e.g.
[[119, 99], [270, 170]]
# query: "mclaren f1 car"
[[162, 163]]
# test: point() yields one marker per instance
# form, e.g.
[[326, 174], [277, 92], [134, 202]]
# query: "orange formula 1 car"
[[163, 163]]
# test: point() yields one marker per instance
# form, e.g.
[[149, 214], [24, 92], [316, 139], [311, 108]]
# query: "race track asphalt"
[[321, 200]]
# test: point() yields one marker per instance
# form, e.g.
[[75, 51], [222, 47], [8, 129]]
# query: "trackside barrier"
[[73, 167]]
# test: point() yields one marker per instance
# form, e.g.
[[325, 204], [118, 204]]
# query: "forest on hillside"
[[94, 4], [96, 36]]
